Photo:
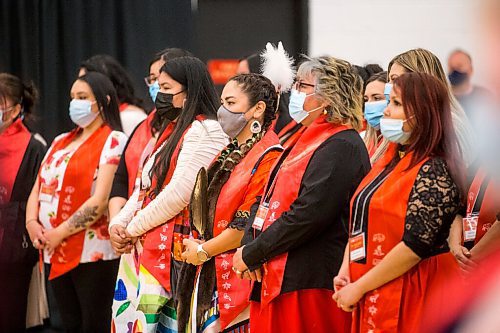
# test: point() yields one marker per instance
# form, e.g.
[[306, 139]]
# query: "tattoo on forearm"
[[83, 218]]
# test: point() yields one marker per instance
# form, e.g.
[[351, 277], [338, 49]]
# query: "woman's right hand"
[[36, 233], [119, 240], [463, 257], [340, 281]]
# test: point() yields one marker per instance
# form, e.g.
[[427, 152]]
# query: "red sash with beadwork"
[[13, 143], [75, 190], [286, 189], [233, 292], [379, 309], [157, 247], [136, 145], [490, 205]]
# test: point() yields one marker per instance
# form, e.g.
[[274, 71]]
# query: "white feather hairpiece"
[[277, 66]]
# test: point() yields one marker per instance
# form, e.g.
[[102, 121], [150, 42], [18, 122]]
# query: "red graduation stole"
[[386, 228], [13, 143], [233, 291], [286, 190], [75, 190], [157, 246], [135, 148]]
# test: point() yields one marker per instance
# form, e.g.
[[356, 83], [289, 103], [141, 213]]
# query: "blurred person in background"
[[460, 72], [475, 307], [67, 207], [130, 106], [20, 157]]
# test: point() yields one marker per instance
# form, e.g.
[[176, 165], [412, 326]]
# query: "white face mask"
[[80, 112], [296, 106], [392, 130]]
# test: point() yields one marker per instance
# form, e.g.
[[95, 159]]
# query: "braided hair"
[[257, 88]]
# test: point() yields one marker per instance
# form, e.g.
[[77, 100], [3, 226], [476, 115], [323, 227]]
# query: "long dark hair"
[[103, 88], [121, 80], [201, 99], [425, 98], [158, 123]]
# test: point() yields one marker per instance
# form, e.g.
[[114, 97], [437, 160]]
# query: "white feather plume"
[[277, 66]]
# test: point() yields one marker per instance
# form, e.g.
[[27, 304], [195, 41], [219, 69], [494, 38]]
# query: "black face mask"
[[457, 78], [164, 106]]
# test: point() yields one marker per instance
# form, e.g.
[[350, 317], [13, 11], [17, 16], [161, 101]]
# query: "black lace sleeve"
[[240, 220], [433, 203]]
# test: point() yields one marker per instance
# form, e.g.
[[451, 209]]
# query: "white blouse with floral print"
[[96, 245]]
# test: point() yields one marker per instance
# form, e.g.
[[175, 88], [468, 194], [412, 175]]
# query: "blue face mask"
[[296, 106], [80, 112], [387, 91], [392, 130], [374, 112], [153, 90]]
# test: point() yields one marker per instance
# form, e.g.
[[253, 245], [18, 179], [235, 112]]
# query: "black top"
[[433, 204], [314, 230], [16, 246], [120, 182]]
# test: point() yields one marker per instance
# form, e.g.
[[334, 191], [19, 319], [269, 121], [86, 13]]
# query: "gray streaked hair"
[[338, 83]]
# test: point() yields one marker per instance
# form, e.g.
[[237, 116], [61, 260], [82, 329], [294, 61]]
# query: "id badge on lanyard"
[[470, 227], [357, 247], [260, 217], [471, 219], [47, 192]]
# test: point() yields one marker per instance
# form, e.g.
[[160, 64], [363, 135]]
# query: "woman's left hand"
[[54, 238], [348, 297], [190, 254]]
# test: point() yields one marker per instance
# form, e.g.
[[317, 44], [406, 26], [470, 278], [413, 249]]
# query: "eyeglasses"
[[300, 85], [150, 79]]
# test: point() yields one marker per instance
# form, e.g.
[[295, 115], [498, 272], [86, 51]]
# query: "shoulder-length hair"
[[427, 107], [338, 83]]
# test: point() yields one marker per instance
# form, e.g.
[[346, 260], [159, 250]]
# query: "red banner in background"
[[221, 70]]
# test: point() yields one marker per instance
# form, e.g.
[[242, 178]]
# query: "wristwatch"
[[202, 254]]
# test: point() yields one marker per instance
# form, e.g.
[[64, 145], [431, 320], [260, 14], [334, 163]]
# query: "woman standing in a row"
[[20, 157], [295, 245], [401, 213], [236, 178], [155, 218], [67, 207]]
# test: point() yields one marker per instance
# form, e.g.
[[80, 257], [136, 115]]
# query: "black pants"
[[14, 281], [84, 296]]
